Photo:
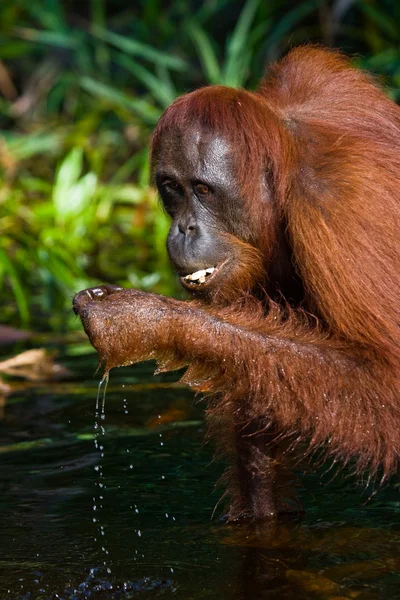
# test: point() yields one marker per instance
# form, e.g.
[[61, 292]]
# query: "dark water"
[[151, 534]]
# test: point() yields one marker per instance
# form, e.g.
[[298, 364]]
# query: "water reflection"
[[155, 506]]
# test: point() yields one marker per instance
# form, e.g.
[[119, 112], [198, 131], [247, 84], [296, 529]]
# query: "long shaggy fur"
[[322, 367], [329, 141]]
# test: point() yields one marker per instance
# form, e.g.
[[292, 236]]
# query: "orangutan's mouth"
[[200, 278]]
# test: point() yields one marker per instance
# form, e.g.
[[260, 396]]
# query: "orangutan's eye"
[[171, 185], [201, 189]]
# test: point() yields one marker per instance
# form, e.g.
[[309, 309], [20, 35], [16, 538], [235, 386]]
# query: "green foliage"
[[81, 87], [239, 50], [59, 236]]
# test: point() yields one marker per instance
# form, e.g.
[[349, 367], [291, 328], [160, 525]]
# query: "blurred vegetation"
[[81, 86]]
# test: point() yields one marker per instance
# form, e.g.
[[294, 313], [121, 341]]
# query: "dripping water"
[[134, 506], [98, 498], [166, 514]]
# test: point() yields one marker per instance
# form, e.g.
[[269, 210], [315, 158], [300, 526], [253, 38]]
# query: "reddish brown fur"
[[326, 371]]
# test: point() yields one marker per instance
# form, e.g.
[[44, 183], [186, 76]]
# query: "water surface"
[[125, 512]]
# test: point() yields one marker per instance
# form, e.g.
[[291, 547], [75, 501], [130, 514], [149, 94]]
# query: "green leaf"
[[52, 38], [66, 177], [238, 51], [162, 93], [71, 195], [207, 55], [135, 48], [143, 109], [50, 13]]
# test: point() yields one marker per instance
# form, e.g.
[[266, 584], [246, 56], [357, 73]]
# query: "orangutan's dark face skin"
[[196, 182]]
